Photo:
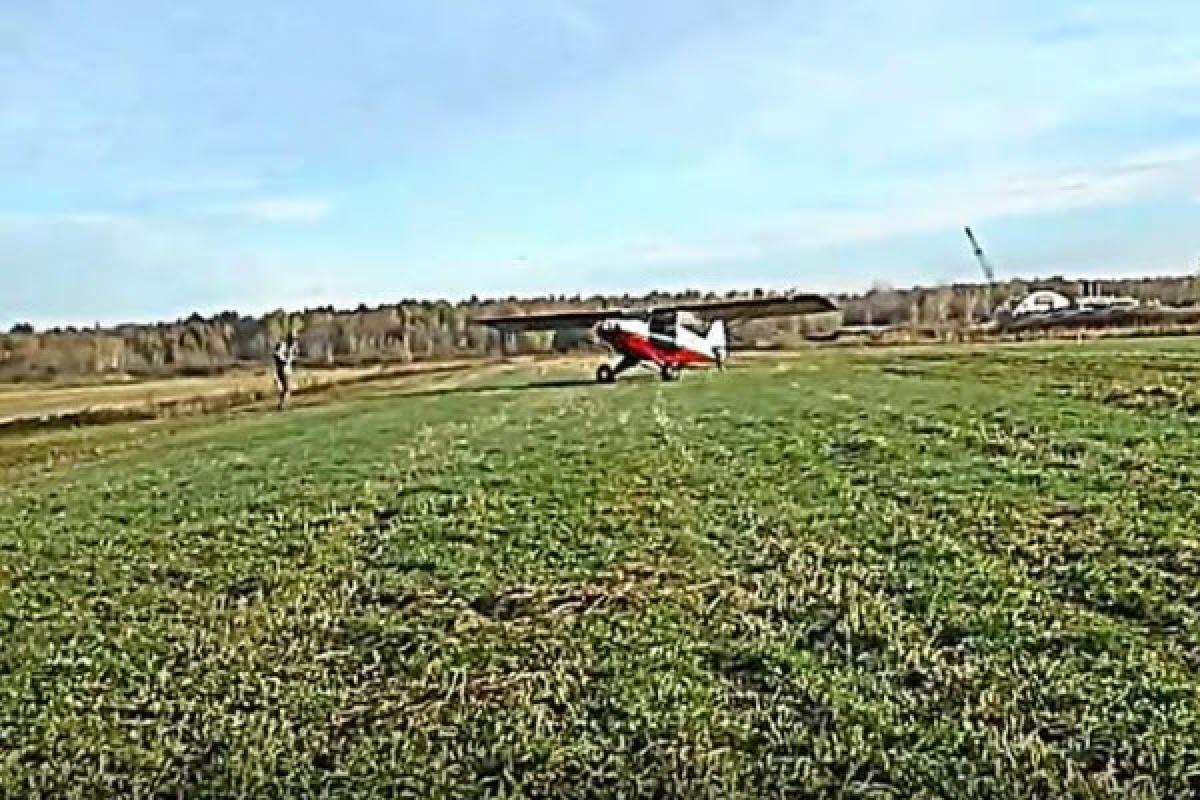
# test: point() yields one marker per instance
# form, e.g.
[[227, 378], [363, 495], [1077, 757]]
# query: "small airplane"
[[668, 338]]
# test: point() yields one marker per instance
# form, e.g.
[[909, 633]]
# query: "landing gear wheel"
[[605, 374], [669, 374]]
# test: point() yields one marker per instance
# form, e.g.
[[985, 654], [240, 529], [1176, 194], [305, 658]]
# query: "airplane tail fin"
[[718, 341]]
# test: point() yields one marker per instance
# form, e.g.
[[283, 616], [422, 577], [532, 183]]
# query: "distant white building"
[[1042, 301], [1046, 301]]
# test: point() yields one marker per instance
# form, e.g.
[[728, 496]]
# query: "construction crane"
[[986, 265]]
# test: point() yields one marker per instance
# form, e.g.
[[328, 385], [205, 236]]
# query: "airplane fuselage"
[[680, 348], [670, 342]]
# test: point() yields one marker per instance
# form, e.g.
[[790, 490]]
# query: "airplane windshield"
[[663, 324], [666, 323]]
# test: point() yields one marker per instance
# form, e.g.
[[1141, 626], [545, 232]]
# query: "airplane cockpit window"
[[663, 324]]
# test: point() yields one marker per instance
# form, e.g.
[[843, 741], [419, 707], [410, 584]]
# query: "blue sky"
[[158, 158]]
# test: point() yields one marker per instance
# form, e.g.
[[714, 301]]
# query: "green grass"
[[909, 573]]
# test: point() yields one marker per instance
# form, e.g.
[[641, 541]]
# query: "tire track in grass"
[[515, 626], [994, 577]]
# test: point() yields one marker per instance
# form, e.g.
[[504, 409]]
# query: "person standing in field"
[[284, 356]]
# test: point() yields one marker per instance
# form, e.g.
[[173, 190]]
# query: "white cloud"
[[634, 143], [196, 185], [282, 209], [286, 209], [925, 207]]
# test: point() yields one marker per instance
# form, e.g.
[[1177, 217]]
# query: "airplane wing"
[[749, 308], [783, 306], [556, 320]]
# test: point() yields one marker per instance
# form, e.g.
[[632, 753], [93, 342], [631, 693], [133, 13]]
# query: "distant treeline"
[[423, 330]]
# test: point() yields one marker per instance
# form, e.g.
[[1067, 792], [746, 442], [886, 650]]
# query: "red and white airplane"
[[668, 338]]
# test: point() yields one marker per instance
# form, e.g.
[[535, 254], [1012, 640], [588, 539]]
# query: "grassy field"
[[23, 400], [969, 572], [237, 387]]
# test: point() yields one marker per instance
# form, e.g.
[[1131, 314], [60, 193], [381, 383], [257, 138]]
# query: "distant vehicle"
[[667, 338]]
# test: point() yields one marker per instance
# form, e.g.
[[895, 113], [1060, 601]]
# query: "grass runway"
[[906, 573]]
